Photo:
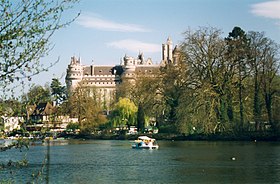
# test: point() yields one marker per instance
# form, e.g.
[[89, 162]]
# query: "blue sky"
[[108, 29]]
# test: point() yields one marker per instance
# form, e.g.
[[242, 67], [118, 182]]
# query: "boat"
[[145, 142], [7, 142]]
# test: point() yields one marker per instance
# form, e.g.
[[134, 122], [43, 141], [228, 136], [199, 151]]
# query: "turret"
[[167, 49], [164, 52], [74, 73]]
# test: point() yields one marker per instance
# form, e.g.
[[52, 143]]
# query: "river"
[[113, 161]]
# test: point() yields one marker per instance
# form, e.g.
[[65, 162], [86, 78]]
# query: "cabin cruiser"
[[145, 142]]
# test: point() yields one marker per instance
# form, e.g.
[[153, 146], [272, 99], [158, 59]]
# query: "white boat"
[[7, 142], [145, 142]]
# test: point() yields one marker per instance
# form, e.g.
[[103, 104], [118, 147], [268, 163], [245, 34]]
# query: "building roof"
[[43, 109], [98, 70], [149, 69], [103, 70]]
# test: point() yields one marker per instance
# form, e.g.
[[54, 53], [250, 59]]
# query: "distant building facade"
[[105, 79], [43, 116], [11, 123]]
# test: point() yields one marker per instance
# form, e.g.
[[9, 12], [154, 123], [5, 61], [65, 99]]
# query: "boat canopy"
[[145, 138]]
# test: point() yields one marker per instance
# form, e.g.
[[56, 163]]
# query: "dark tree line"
[[219, 84], [223, 84]]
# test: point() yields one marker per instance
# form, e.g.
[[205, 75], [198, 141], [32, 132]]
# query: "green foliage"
[[72, 126], [140, 118], [58, 91], [146, 92], [25, 31], [37, 94], [237, 48], [219, 85], [124, 113], [11, 107], [84, 104], [26, 27]]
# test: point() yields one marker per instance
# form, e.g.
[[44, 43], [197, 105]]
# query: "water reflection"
[[91, 161]]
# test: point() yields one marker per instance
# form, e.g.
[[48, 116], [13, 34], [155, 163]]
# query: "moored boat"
[[145, 142]]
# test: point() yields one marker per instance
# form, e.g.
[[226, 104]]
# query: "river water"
[[102, 161]]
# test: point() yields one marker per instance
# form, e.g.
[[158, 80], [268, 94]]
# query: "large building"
[[105, 79]]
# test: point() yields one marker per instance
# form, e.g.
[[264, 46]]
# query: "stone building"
[[105, 79]]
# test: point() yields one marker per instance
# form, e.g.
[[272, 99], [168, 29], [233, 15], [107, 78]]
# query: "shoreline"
[[179, 137]]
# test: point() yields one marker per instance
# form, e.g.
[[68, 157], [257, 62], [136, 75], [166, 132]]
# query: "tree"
[[140, 118], [276, 105], [84, 104], [264, 60], [237, 48], [37, 94], [208, 76], [11, 107], [26, 27], [58, 91], [172, 84], [146, 96], [124, 113]]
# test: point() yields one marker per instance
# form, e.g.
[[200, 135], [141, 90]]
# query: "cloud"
[[269, 9], [135, 46], [96, 22]]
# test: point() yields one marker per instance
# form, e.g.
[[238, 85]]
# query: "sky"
[[107, 30]]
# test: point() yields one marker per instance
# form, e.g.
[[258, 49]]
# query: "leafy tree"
[[143, 90], [264, 55], [72, 126], [11, 107], [26, 27], [204, 55], [147, 97], [140, 118], [124, 90], [84, 104], [172, 85], [237, 48], [124, 113], [37, 94], [276, 105], [58, 91]]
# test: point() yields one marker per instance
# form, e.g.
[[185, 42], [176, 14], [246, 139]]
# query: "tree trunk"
[[230, 108], [140, 118], [257, 108], [268, 102], [241, 108]]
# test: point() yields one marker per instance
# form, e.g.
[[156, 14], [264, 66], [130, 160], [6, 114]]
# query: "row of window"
[[87, 83], [96, 78], [140, 71]]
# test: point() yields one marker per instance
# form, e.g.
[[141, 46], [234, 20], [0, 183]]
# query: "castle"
[[105, 79]]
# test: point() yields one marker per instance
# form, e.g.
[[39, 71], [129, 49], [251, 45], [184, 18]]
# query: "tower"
[[167, 49], [74, 73]]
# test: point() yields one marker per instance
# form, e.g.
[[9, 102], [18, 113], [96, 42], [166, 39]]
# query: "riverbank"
[[251, 136]]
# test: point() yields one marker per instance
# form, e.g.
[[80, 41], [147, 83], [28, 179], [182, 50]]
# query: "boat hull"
[[145, 147]]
